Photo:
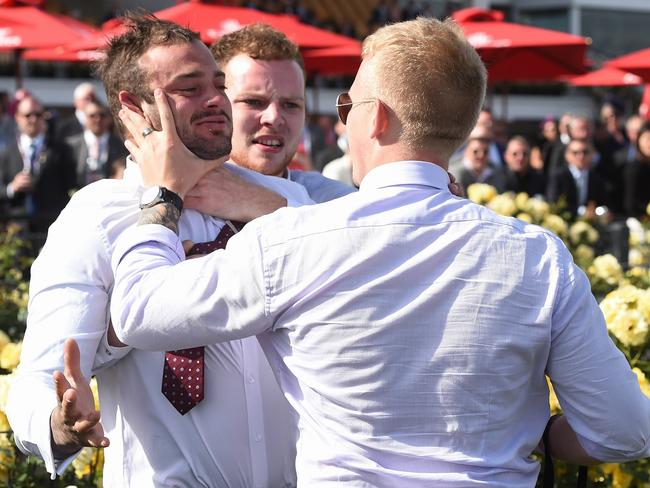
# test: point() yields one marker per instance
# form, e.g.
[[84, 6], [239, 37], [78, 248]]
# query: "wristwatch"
[[159, 194]]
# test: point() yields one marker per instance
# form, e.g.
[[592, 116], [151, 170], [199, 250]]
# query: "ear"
[[129, 100], [379, 120]]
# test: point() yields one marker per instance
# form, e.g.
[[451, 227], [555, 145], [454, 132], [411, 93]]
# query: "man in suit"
[[74, 124], [520, 177], [578, 184], [477, 167], [36, 173], [96, 147]]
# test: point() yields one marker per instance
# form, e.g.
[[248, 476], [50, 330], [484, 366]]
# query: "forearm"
[[564, 444], [161, 303]]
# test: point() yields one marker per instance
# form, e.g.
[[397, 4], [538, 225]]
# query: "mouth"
[[269, 142]]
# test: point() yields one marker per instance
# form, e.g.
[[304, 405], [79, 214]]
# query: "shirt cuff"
[[142, 234], [108, 355], [10, 191], [44, 444]]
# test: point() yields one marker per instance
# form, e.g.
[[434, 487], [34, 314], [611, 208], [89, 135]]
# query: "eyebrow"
[[196, 74]]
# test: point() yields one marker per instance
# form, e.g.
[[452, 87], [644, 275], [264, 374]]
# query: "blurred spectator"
[[332, 150], [74, 124], [477, 167], [520, 176], [577, 127], [19, 96], [628, 152], [611, 136], [7, 123], [380, 14], [36, 173], [541, 154], [96, 146], [636, 176], [340, 168], [116, 169], [497, 135], [577, 183], [563, 128]]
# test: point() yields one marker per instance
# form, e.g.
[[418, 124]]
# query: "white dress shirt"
[[410, 329], [238, 436]]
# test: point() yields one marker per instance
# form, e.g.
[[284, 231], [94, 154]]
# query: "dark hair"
[[259, 41], [119, 70]]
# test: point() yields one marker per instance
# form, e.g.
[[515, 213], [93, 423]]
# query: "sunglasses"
[[580, 152], [98, 115], [344, 104], [32, 114]]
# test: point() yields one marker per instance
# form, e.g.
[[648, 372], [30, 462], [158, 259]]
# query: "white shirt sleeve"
[[67, 300], [598, 392], [224, 294]]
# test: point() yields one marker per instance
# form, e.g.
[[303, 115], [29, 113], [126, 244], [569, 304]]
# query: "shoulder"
[[319, 187], [282, 186]]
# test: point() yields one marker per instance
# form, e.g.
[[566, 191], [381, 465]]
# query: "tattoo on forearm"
[[163, 214]]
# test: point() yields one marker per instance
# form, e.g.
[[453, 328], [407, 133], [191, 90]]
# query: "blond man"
[[410, 330]]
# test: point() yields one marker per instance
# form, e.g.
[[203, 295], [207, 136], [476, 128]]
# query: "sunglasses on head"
[[344, 104]]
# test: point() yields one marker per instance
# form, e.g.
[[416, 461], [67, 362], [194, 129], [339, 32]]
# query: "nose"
[[272, 115], [217, 99]]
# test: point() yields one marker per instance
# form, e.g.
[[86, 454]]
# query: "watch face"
[[149, 195]]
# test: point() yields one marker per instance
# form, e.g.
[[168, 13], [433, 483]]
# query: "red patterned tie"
[[183, 371]]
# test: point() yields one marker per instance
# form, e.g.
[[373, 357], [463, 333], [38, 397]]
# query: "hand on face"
[[74, 422], [221, 193], [161, 155]]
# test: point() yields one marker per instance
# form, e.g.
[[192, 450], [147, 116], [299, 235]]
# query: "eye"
[[252, 102], [292, 105], [189, 89]]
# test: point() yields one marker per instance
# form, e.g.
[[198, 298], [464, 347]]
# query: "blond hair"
[[431, 77]]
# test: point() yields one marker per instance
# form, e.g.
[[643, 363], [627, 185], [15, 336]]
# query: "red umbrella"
[[637, 62], [28, 27], [340, 60], [606, 76], [515, 52], [324, 52], [213, 21]]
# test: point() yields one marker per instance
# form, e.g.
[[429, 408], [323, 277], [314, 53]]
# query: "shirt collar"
[[26, 141], [406, 173], [577, 173], [132, 172]]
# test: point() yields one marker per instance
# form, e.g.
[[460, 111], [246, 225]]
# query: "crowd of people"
[[575, 162], [44, 160]]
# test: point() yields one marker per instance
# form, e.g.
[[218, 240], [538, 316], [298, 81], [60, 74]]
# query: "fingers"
[[134, 122], [187, 245], [71, 360], [166, 116], [69, 412], [61, 385], [133, 149]]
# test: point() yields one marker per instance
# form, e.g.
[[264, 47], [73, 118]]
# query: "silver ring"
[[146, 131]]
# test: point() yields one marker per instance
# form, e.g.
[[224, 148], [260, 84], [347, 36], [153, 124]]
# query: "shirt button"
[[251, 379], [258, 438]]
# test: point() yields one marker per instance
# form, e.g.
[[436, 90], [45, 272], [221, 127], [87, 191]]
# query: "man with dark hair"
[[520, 176], [237, 432]]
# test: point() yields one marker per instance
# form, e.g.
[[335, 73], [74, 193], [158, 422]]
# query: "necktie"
[[183, 371], [33, 156]]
